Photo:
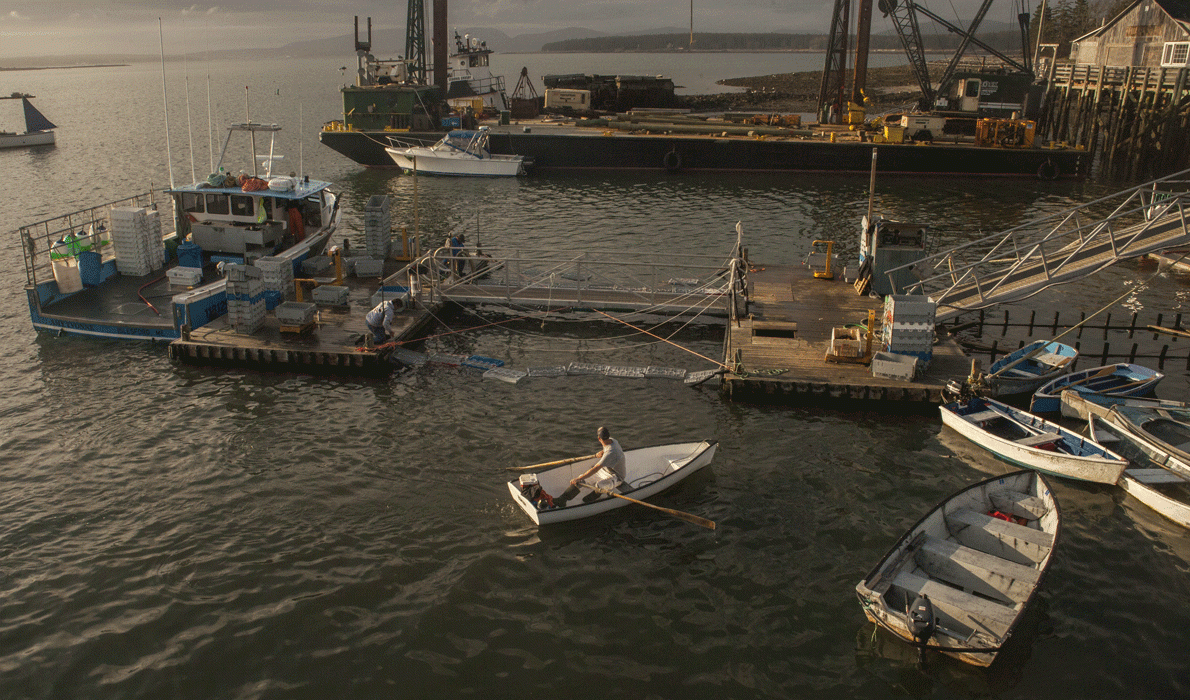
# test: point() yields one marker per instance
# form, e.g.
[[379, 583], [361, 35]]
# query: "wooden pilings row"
[[1134, 121], [987, 323]]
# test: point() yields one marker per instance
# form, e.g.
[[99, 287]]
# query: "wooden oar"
[[558, 463], [709, 524], [1105, 372]]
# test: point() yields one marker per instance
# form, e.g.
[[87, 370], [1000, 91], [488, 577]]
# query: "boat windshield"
[[475, 142]]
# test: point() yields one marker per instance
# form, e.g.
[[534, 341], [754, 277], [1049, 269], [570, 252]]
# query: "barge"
[[660, 147]]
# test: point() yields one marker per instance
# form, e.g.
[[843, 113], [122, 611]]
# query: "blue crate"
[[482, 363], [452, 122], [189, 255], [272, 299], [90, 268]]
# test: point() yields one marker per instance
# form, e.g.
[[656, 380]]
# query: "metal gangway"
[[673, 284], [1057, 248]]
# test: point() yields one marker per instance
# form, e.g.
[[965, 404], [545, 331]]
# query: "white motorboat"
[[649, 471], [39, 131], [960, 580], [462, 153]]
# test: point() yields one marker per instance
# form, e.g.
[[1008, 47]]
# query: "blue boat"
[[1107, 385], [140, 269], [1028, 369]]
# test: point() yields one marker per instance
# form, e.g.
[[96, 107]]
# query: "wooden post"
[[1004, 332], [1032, 314], [1055, 328], [1132, 355], [1103, 360], [1161, 357], [1106, 324], [1132, 326]]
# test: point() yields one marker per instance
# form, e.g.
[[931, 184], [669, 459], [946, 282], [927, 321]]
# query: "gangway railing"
[[1057, 248], [664, 283]]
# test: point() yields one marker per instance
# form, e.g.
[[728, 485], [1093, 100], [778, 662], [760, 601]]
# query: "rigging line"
[[689, 321], [668, 341]]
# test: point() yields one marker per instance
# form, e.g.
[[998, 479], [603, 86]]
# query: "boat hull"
[[32, 138], [559, 148], [1083, 459], [1154, 470], [679, 461], [964, 545], [1119, 380]]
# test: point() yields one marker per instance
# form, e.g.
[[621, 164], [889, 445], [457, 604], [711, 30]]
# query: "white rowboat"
[[1022, 438], [979, 557], [649, 471], [1159, 480]]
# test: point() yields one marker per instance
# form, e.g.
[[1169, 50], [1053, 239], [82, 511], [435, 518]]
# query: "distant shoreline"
[[92, 65]]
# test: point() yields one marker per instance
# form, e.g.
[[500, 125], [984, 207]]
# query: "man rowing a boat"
[[609, 467]]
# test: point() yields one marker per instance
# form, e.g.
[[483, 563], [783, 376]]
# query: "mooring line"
[[717, 362]]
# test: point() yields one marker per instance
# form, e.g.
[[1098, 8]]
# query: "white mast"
[[165, 101]]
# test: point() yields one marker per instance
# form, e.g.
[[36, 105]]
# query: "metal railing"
[[1055, 248], [650, 280], [39, 238]]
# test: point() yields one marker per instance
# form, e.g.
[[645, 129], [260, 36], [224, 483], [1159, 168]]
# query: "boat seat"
[[1041, 439], [1001, 538], [981, 416], [969, 610], [978, 571], [1020, 504], [1155, 476], [1052, 359]]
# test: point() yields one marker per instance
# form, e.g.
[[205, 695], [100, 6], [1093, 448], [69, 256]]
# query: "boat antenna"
[[872, 187], [165, 102], [189, 123], [301, 139], [251, 133]]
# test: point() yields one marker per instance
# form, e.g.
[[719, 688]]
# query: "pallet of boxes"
[[907, 337], [245, 298]]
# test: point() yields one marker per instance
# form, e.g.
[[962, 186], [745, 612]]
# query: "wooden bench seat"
[[1155, 476], [970, 611], [1041, 439], [1019, 504], [977, 571], [981, 416], [1003, 539]]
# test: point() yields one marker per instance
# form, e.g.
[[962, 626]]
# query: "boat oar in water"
[[709, 524], [558, 463]]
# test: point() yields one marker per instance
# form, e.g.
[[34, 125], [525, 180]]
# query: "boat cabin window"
[[241, 205], [192, 202], [216, 204], [972, 88], [313, 210]]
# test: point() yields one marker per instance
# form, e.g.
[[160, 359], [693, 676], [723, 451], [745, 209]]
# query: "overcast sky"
[[57, 27]]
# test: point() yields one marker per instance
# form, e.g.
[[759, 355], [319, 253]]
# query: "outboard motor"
[[921, 619], [922, 623]]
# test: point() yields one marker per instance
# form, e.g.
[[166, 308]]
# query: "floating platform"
[[331, 345], [781, 346]]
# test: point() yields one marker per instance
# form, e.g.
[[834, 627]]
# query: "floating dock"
[[779, 347]]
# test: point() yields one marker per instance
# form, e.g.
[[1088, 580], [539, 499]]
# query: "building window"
[[1176, 54]]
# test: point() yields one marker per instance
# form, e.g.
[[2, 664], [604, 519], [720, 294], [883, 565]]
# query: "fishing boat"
[[39, 131], [1157, 479], [1081, 405], [1029, 368], [138, 269], [960, 580], [1022, 438], [648, 471], [1115, 381], [459, 153]]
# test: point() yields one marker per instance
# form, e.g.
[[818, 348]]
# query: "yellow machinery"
[[1006, 133], [815, 250]]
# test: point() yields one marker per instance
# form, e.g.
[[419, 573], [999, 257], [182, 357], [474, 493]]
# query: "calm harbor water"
[[189, 533]]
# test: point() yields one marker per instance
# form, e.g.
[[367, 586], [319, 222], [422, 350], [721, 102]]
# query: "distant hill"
[[1008, 42]]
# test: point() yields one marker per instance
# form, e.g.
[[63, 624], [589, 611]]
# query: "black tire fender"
[[672, 160]]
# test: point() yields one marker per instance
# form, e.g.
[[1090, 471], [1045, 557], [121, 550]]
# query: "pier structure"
[[1132, 120]]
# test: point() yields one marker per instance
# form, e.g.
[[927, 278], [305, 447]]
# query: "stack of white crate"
[[909, 326], [136, 238], [277, 274], [245, 298], [378, 226]]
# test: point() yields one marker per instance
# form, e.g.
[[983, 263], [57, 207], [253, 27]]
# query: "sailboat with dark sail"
[[39, 131]]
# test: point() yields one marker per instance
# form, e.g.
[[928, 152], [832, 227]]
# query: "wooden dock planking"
[[588, 298], [787, 301], [331, 346]]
